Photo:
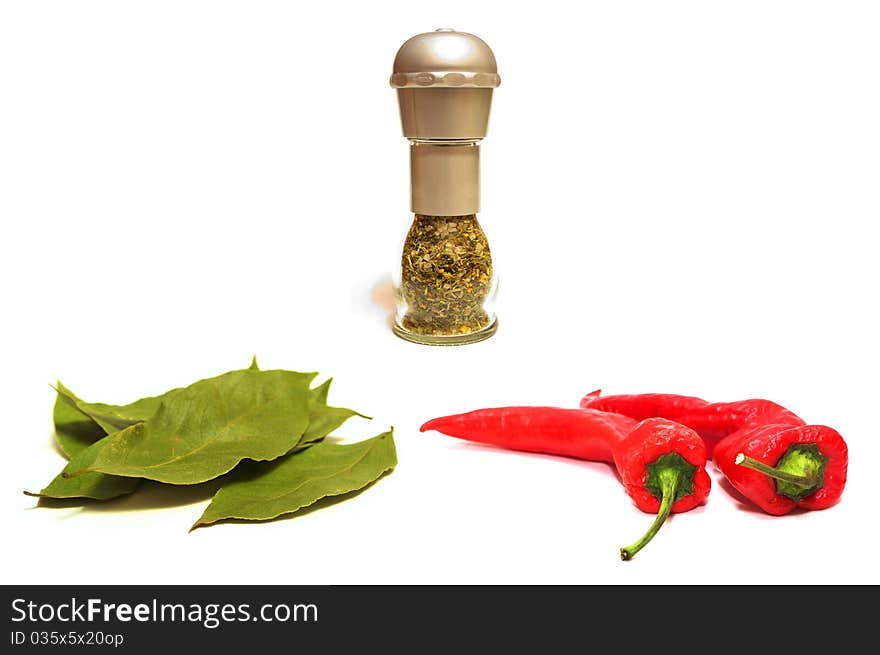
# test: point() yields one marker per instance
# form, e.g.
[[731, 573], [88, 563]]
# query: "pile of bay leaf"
[[261, 432]]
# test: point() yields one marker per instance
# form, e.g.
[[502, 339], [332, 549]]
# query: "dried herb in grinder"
[[446, 276]]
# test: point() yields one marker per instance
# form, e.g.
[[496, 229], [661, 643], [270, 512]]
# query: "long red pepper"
[[662, 464], [766, 452], [712, 421], [550, 430]]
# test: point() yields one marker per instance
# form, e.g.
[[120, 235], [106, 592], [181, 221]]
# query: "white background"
[[681, 197]]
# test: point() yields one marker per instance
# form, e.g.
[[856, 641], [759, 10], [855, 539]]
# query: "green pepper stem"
[[669, 479], [801, 480]]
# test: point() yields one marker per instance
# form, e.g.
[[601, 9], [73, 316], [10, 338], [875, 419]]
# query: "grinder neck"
[[445, 177]]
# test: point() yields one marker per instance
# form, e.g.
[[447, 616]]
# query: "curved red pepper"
[[662, 464], [643, 405], [551, 430], [712, 421]]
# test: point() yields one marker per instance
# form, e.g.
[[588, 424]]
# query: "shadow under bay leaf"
[[156, 495], [62, 503]]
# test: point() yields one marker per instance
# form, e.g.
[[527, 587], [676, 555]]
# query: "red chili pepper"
[[550, 430], [662, 464], [643, 405], [712, 421], [780, 467], [808, 471]]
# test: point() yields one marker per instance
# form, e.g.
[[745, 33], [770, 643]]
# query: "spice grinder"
[[446, 284]]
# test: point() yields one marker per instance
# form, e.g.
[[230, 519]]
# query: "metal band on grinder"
[[445, 179]]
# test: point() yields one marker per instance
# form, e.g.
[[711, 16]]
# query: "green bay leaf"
[[261, 491], [320, 393], [323, 418], [74, 430], [202, 431], [112, 418], [87, 485], [70, 409]]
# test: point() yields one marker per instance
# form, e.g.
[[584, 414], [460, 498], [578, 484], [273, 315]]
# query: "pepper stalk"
[[799, 472], [669, 478]]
